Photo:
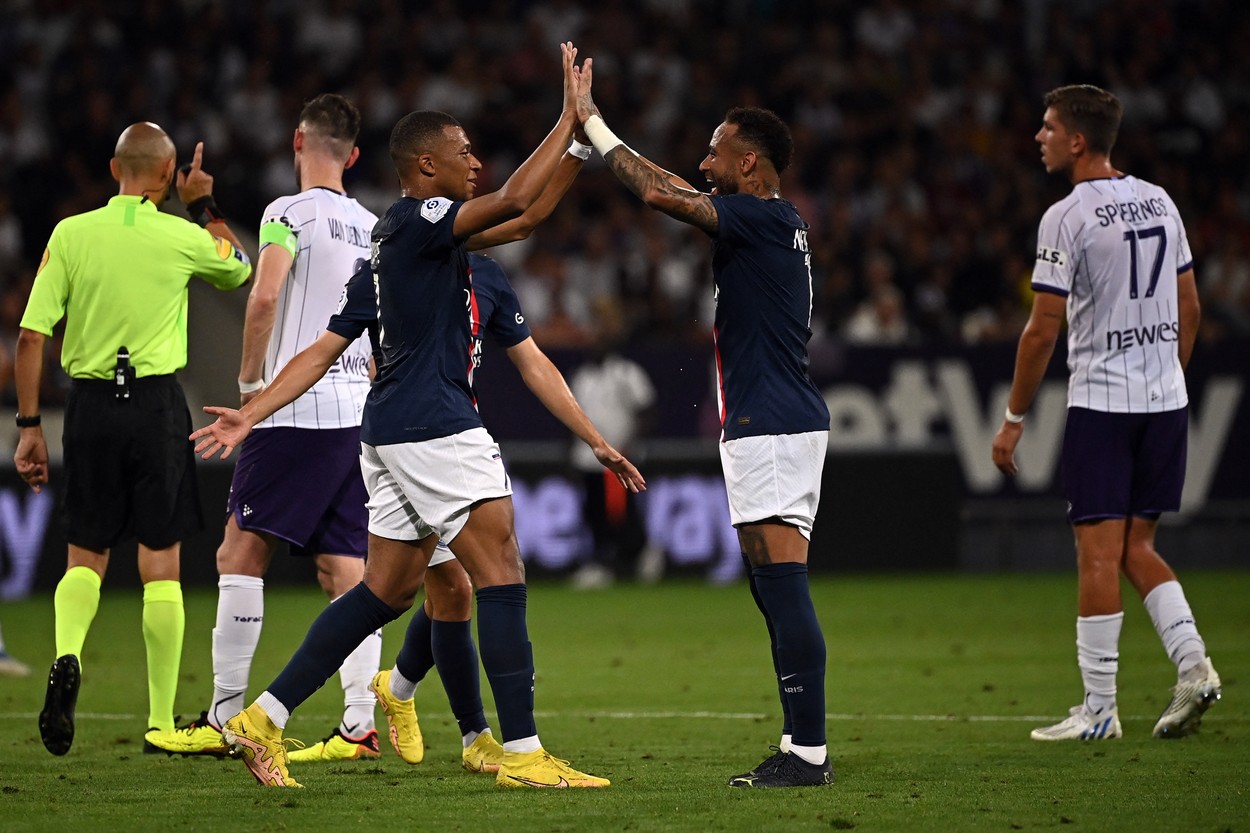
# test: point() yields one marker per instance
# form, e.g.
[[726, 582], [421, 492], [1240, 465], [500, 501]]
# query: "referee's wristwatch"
[[28, 421]]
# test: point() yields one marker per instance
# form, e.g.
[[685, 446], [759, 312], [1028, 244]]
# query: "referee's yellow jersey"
[[119, 276]]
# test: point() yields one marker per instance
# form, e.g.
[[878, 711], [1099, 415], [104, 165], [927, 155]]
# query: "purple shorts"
[[304, 486], [1122, 465]]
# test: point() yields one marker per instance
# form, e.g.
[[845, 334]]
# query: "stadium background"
[[915, 166]]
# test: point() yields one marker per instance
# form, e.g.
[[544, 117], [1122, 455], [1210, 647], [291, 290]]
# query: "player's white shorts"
[[442, 554], [775, 476], [420, 488]]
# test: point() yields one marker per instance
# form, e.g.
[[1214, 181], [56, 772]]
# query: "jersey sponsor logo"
[[1131, 212], [800, 240], [43, 261], [520, 319], [435, 209], [353, 364], [1055, 257], [1142, 336]]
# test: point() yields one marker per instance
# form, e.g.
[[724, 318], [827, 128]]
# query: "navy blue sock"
[[787, 726], [340, 628], [784, 595], [507, 657], [456, 657], [416, 658]]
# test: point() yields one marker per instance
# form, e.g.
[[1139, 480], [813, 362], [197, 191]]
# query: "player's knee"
[[242, 553], [450, 593]]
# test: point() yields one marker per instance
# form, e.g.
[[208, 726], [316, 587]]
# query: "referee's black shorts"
[[129, 467]]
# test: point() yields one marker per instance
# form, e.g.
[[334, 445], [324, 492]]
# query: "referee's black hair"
[[765, 133], [332, 116], [1091, 111], [416, 133]]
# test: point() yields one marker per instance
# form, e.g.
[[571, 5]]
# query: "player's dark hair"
[[331, 116], [416, 133], [764, 132], [1091, 111]]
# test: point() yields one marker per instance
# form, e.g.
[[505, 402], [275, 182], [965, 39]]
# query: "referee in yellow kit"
[[118, 276]]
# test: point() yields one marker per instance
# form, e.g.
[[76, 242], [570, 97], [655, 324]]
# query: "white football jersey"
[[332, 233], [1114, 248]]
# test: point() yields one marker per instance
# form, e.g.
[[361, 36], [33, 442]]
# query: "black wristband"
[[28, 421], [204, 211]]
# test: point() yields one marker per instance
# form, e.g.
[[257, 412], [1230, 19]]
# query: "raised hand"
[[224, 435], [568, 54], [193, 182], [585, 104]]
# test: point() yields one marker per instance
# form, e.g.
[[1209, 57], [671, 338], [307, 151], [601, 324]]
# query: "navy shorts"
[[1122, 465], [304, 486], [129, 467]]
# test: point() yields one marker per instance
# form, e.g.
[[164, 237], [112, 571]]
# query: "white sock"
[[529, 744], [240, 613], [401, 687], [784, 746], [356, 672], [468, 739], [1174, 622], [277, 712], [1098, 655], [814, 755]]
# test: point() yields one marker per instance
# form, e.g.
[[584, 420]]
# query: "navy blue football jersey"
[[493, 306], [761, 268]]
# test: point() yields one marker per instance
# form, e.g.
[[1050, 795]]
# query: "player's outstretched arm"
[[527, 183], [233, 426], [548, 384], [658, 188], [523, 226], [1037, 344]]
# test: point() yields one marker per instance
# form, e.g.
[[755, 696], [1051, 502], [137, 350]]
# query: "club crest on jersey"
[[1045, 254], [435, 208]]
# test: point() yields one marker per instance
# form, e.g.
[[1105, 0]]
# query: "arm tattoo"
[[642, 178]]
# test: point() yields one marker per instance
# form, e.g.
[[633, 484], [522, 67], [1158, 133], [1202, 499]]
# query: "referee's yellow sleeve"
[[50, 292], [217, 261]]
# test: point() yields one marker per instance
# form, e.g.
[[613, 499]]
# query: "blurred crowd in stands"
[[913, 120]]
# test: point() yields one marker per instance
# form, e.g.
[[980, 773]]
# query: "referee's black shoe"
[[785, 769], [56, 721]]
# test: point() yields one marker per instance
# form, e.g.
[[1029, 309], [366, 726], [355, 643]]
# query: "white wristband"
[[251, 387], [600, 135], [1014, 419], [579, 150]]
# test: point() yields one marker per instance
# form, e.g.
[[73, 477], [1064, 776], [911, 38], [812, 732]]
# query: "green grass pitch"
[[933, 684]]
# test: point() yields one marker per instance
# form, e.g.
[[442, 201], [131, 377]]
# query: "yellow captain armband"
[[281, 233]]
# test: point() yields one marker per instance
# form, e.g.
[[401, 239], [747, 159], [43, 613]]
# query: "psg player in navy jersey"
[[774, 423], [439, 632], [431, 469]]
